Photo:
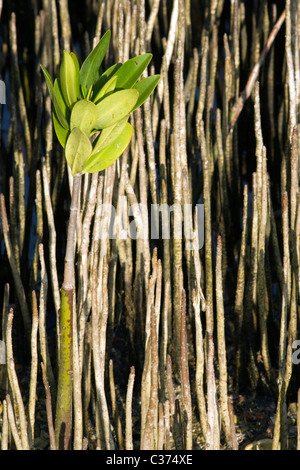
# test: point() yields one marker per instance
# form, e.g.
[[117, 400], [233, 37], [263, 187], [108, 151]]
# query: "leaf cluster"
[[86, 100]]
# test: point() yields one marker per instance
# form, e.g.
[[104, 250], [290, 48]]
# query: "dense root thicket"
[[176, 344]]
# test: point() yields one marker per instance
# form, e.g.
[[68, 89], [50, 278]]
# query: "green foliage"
[[54, 97], [108, 87], [87, 100], [107, 155], [61, 133], [115, 107], [131, 70], [69, 80], [145, 88], [89, 72], [109, 134], [77, 147], [84, 116]]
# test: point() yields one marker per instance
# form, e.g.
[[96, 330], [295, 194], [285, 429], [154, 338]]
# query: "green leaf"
[[84, 116], [104, 79], [116, 106], [109, 134], [69, 79], [77, 67], [61, 133], [131, 70], [48, 82], [61, 102], [90, 69], [89, 93], [145, 87], [50, 87], [77, 151], [107, 88], [112, 70], [84, 91], [106, 156]]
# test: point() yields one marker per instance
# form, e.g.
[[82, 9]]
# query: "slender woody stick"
[[185, 382], [48, 408], [52, 244], [222, 345], [16, 275], [5, 428], [128, 432], [63, 421], [237, 109], [12, 424], [34, 366], [13, 380], [115, 414]]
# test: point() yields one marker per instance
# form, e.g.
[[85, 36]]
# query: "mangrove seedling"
[[88, 101]]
